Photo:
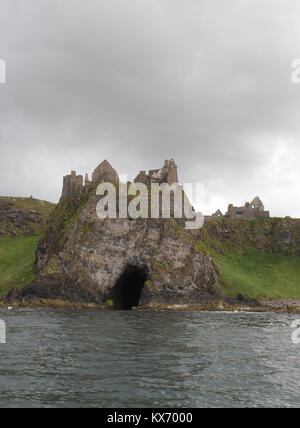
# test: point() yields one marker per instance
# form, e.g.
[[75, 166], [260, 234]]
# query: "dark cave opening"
[[128, 288]]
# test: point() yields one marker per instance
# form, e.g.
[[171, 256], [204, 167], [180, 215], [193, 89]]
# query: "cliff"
[[123, 263], [22, 220], [23, 216], [258, 259], [119, 262]]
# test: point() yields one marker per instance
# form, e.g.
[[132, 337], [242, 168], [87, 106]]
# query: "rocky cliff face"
[[119, 262], [270, 235], [124, 263]]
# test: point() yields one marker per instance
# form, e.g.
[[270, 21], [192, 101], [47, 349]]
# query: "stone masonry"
[[249, 211], [105, 173], [166, 174], [73, 184]]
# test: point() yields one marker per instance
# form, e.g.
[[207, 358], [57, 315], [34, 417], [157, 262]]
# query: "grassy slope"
[[17, 261], [259, 275], [246, 270], [27, 204], [254, 274], [17, 254]]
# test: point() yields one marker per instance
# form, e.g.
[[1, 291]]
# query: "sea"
[[175, 359]]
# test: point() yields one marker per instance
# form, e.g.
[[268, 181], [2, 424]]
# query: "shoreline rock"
[[214, 306]]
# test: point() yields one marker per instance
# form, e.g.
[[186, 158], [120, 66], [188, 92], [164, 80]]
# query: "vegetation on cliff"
[[258, 259], [258, 275], [17, 256], [23, 216], [61, 220], [22, 220]]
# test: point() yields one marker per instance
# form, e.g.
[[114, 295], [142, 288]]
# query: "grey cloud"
[[206, 82]]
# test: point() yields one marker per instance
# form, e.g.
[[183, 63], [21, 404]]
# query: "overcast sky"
[[205, 82]]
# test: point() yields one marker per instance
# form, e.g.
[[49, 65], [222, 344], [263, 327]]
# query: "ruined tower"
[[72, 185], [257, 204], [105, 173], [166, 174], [87, 181]]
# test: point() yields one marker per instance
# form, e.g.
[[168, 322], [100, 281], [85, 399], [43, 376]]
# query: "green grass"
[[17, 257], [27, 204], [259, 275], [24, 206], [62, 218]]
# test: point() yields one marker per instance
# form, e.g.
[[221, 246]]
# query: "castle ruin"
[[105, 173], [73, 185], [249, 211], [166, 174]]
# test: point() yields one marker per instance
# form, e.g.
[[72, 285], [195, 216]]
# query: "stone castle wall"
[[166, 174], [73, 185], [249, 211], [105, 173]]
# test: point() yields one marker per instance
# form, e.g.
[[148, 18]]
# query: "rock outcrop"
[[271, 236], [23, 216], [127, 262], [123, 263]]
